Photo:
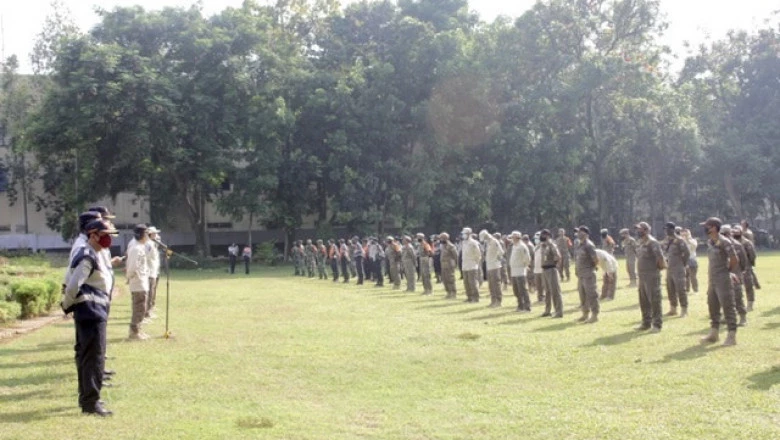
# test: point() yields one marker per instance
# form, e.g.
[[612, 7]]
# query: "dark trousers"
[[345, 268], [359, 268], [232, 264], [368, 268], [380, 279], [246, 265], [90, 360], [521, 293], [334, 267]]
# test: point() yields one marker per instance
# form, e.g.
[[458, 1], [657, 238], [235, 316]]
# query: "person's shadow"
[[692, 352], [619, 338], [765, 380]]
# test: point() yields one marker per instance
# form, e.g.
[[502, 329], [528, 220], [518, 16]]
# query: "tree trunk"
[[249, 229]]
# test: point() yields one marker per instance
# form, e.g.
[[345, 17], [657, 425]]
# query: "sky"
[[693, 21]]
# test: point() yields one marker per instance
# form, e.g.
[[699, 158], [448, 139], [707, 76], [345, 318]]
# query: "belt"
[[549, 267]]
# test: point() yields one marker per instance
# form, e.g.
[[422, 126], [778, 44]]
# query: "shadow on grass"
[[464, 311], [21, 397], [622, 309], [765, 380], [38, 379], [771, 326], [46, 363], [768, 313], [438, 305], [619, 338], [690, 353], [557, 327], [30, 416], [492, 315]]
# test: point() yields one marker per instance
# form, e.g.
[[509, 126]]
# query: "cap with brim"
[[642, 225], [99, 226], [623, 231], [153, 230], [670, 225], [712, 221], [389, 238], [584, 229], [546, 231], [104, 212], [86, 217]]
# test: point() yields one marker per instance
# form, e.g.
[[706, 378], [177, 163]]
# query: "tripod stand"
[[168, 254]]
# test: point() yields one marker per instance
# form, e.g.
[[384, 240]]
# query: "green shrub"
[[5, 292], [32, 296], [9, 311], [54, 290], [266, 253]]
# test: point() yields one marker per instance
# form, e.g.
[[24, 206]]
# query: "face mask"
[[105, 241], [641, 232], [706, 230], [737, 236], [542, 238], [603, 235], [419, 240]]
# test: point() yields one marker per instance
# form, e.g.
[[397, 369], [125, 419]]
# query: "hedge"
[[9, 311], [35, 297]]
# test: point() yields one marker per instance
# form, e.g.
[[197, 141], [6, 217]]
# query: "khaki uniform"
[[585, 269], [677, 256], [449, 262], [426, 260], [720, 294], [747, 274], [739, 299], [409, 261], [629, 245], [393, 254], [608, 244], [550, 256], [562, 243], [648, 253]]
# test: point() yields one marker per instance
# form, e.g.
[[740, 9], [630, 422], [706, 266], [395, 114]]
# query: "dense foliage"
[[412, 113]]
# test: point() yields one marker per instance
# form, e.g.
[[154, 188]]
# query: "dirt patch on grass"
[[19, 328]]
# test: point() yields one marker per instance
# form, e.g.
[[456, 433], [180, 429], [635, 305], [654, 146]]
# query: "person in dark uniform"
[[747, 274], [742, 259], [722, 261], [585, 265], [650, 263], [677, 256], [628, 243], [87, 296]]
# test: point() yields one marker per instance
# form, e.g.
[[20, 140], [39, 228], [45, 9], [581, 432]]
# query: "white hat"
[[466, 231], [152, 230], [604, 231], [483, 234], [516, 234]]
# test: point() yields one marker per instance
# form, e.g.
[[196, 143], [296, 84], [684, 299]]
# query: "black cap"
[[670, 225], [99, 225], [104, 212], [712, 221], [546, 231], [139, 229], [86, 217], [584, 229]]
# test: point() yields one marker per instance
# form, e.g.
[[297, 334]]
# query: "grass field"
[[272, 356]]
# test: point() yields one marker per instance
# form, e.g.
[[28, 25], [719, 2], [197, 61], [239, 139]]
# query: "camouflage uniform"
[[425, 257], [737, 279], [393, 255], [309, 255], [747, 274], [297, 256]]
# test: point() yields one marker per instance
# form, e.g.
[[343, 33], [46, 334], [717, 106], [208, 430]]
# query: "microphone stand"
[[168, 254]]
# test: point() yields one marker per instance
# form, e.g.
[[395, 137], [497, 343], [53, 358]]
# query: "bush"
[[5, 292], [32, 296], [266, 253], [54, 290], [9, 311]]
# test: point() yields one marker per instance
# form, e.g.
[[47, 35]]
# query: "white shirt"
[[692, 245], [472, 254], [78, 243], [137, 268], [519, 259], [607, 262], [493, 254], [153, 257], [538, 261]]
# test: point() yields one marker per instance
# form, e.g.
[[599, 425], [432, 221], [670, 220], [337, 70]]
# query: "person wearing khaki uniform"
[[449, 262], [563, 245], [472, 257], [607, 242], [691, 279], [748, 234], [426, 259], [677, 256], [628, 243], [585, 265], [494, 252], [550, 260], [650, 263], [747, 274], [742, 259], [393, 255], [720, 294], [138, 280], [409, 262], [519, 260]]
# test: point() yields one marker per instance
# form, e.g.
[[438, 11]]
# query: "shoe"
[[140, 336], [742, 321], [545, 315], [711, 337], [642, 328], [584, 317], [683, 312], [750, 306], [97, 410], [109, 372], [146, 321], [494, 305], [655, 329], [731, 339], [557, 316], [593, 319], [672, 311]]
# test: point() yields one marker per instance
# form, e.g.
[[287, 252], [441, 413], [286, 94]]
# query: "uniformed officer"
[[344, 258], [550, 259], [153, 254], [309, 258], [519, 260], [358, 253], [628, 243], [409, 262], [233, 256], [677, 256], [742, 259], [720, 293], [87, 296], [650, 263], [472, 256], [449, 262], [564, 248], [494, 252], [393, 255], [747, 274], [585, 265], [333, 258], [298, 258], [425, 258], [748, 234], [609, 266], [691, 279], [322, 257]]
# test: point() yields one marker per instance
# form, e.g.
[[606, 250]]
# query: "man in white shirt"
[[472, 257], [519, 260], [153, 256], [494, 252], [138, 280], [609, 266]]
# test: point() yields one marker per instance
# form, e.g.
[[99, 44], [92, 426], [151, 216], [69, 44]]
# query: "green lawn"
[[277, 357]]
